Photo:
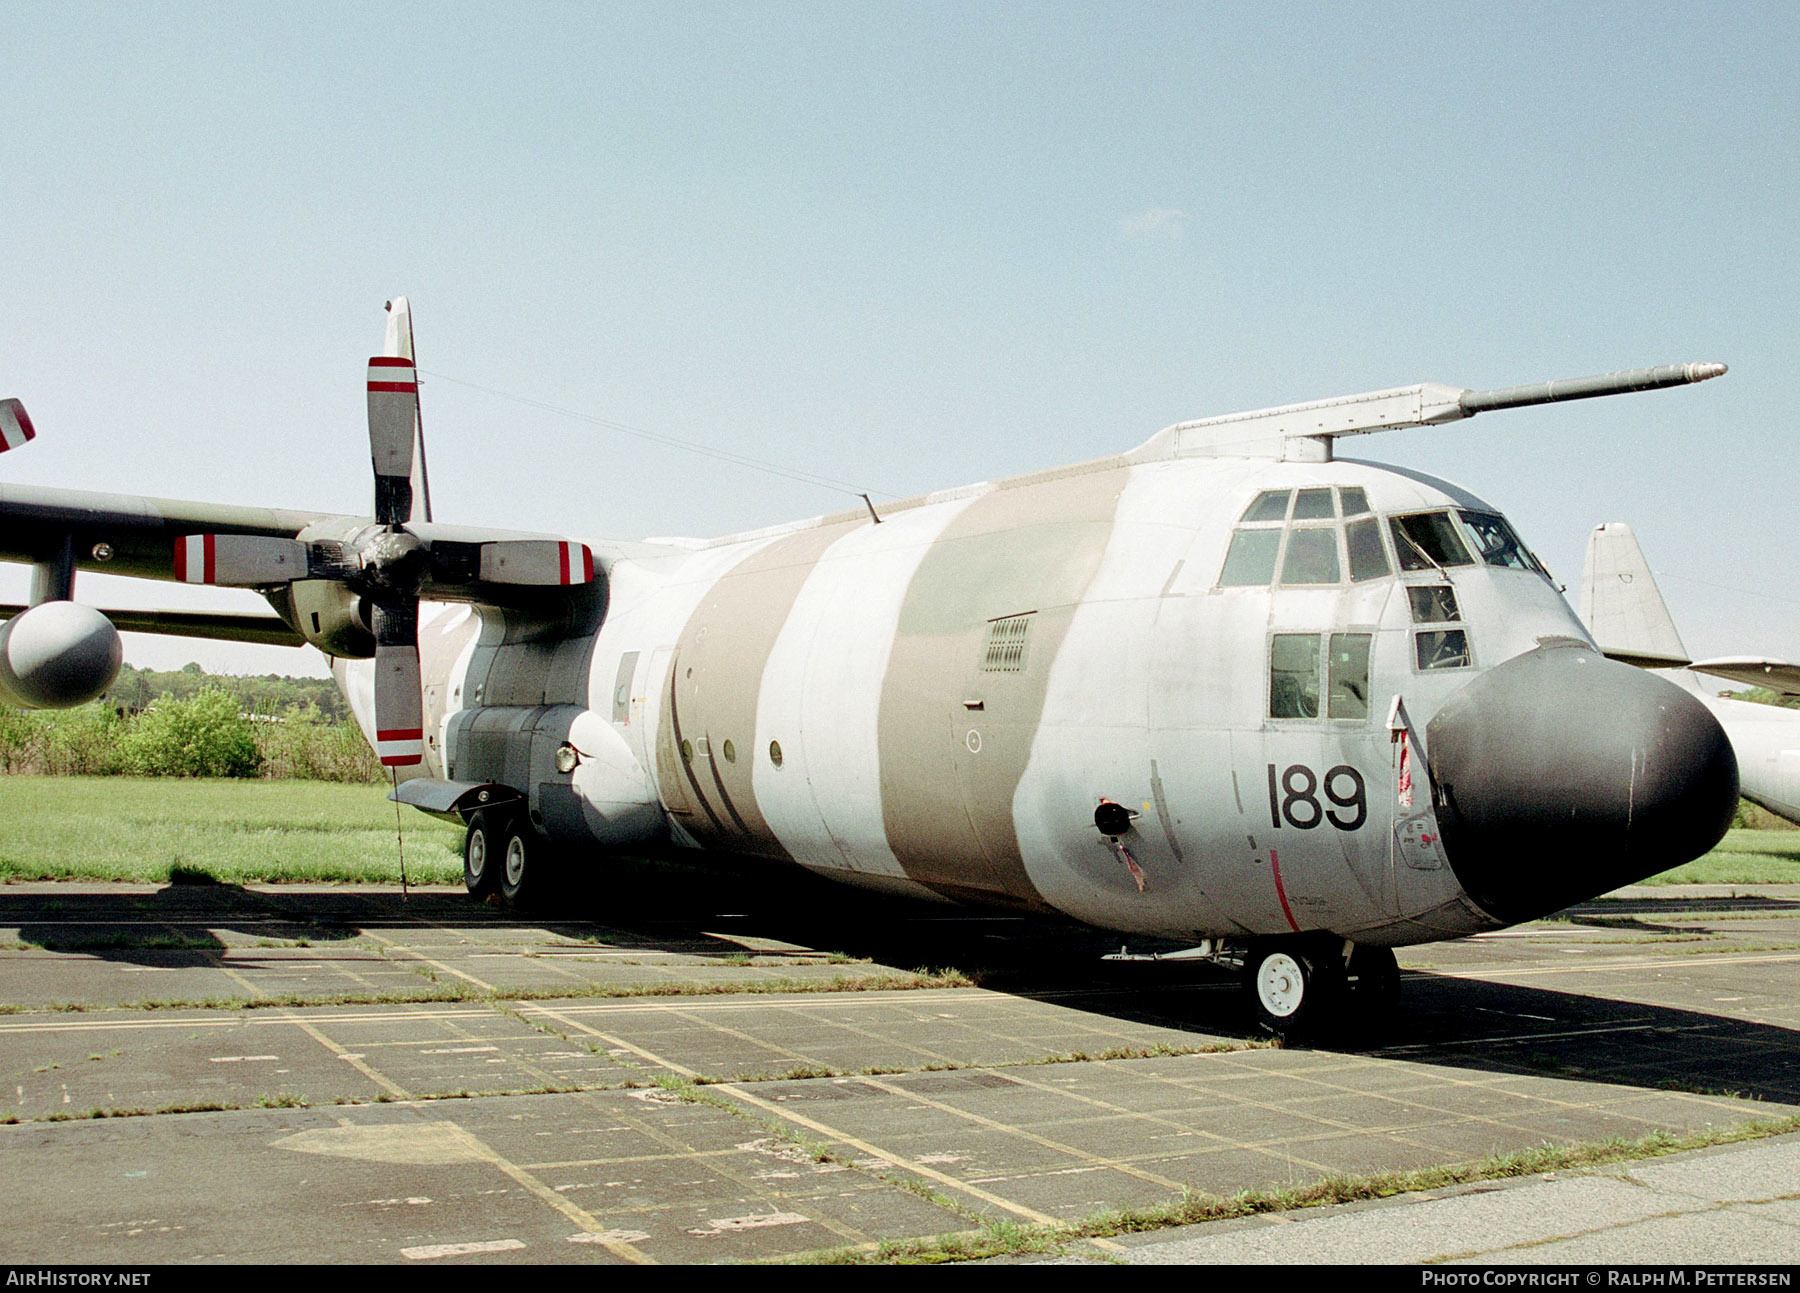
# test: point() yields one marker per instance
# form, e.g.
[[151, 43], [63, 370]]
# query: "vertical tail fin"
[[1621, 604]]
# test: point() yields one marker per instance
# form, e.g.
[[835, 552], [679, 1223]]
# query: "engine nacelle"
[[58, 655], [332, 618]]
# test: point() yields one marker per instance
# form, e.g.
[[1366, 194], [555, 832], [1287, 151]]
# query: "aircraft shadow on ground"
[[179, 924], [1442, 1020]]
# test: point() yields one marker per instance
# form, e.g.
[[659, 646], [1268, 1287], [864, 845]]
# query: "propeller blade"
[[399, 342], [549, 562], [239, 560], [399, 703], [393, 415], [15, 425]]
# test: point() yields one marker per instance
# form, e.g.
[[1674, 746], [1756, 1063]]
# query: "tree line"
[[193, 724]]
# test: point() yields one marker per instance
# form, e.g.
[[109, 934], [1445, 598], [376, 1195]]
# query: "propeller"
[[15, 425], [390, 564]]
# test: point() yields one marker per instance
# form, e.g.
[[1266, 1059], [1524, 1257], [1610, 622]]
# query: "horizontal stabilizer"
[[1621, 604], [1752, 671]]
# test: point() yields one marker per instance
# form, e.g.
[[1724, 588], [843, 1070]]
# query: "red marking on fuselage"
[[1281, 893]]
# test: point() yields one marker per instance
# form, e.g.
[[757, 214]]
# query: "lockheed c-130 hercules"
[[1223, 688]]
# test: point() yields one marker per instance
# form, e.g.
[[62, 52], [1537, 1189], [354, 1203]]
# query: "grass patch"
[[999, 1239], [191, 831], [1743, 857]]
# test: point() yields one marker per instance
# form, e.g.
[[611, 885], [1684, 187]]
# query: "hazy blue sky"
[[905, 246]]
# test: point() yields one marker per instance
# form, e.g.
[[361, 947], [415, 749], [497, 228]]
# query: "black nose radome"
[[1561, 774]]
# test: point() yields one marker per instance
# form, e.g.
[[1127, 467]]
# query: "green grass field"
[[129, 828], [1743, 857]]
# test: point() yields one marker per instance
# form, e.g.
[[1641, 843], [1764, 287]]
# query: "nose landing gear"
[[1298, 987]]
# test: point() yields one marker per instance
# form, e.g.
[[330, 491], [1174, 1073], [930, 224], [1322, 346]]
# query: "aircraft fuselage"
[[938, 703]]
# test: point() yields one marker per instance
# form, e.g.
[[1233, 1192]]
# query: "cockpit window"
[[1313, 505], [1270, 505], [1312, 557], [1294, 675], [1443, 649], [1368, 559], [1427, 539], [1349, 672], [1354, 499], [1496, 542], [1433, 604], [1294, 681], [1250, 562]]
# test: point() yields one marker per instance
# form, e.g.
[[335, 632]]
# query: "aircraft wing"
[[138, 534], [1752, 671]]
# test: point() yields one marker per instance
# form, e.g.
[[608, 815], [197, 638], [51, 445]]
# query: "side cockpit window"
[[1496, 542], [1424, 540], [1436, 645]]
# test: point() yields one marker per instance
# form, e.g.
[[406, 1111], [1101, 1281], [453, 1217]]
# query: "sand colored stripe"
[[949, 772], [716, 676]]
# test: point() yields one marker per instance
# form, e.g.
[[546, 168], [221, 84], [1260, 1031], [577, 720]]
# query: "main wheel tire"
[[482, 851], [1374, 976], [1291, 989], [522, 864]]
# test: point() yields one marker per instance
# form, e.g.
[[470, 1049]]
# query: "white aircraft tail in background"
[[1625, 611]]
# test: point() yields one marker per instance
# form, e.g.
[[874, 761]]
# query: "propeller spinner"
[[387, 566]]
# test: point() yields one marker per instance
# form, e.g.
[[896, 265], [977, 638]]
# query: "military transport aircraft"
[[1222, 688], [1630, 621]]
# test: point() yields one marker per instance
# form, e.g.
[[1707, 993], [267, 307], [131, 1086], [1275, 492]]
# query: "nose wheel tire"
[[1290, 988], [482, 851]]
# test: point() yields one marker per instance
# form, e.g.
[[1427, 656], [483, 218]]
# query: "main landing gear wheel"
[[1291, 988], [523, 863], [1374, 976], [482, 848]]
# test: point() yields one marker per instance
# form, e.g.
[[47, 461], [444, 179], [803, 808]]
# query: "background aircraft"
[[1223, 687], [1630, 621]]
